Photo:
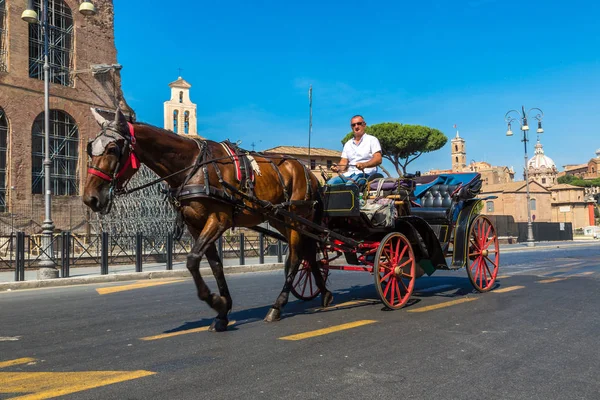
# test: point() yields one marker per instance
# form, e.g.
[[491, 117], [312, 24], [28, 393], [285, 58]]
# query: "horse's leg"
[[292, 263], [211, 231], [221, 320]]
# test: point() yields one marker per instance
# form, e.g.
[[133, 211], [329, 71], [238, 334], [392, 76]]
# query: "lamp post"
[[47, 267], [521, 118]]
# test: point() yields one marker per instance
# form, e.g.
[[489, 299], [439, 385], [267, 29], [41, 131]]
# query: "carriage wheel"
[[395, 270], [484, 254], [304, 286]]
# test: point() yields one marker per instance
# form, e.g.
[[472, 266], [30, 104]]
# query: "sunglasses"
[[357, 123]]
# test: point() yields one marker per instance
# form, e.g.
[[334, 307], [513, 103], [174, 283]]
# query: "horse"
[[210, 195]]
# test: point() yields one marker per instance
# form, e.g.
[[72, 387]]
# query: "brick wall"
[[22, 98]]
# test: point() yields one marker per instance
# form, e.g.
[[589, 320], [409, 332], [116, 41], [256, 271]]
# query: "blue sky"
[[434, 63]]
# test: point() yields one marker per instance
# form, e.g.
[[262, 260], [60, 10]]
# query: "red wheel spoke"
[[488, 270], [387, 275], [402, 254], [397, 251], [393, 289], [387, 287], [491, 262], [410, 260], [405, 288]]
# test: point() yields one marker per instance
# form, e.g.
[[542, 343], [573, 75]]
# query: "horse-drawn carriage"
[[403, 231], [392, 228]]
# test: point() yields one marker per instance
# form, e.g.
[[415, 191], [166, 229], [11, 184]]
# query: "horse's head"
[[113, 161]]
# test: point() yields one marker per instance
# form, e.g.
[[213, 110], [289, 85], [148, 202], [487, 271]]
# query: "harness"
[[234, 195]]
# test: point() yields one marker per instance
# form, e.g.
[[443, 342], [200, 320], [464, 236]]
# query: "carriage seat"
[[435, 202]]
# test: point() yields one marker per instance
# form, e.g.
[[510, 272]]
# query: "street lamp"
[[522, 120], [30, 16]]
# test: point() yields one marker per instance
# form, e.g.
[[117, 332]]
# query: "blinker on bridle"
[[131, 163]]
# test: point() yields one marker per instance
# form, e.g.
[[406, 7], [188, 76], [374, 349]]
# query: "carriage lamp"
[[540, 129], [87, 8]]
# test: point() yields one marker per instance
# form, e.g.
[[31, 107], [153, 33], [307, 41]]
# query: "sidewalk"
[[85, 275]]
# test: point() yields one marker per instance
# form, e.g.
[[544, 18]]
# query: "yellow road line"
[[326, 331], [508, 289], [133, 286], [503, 277], [552, 280], [346, 304], [178, 333], [18, 361], [444, 304], [47, 385]]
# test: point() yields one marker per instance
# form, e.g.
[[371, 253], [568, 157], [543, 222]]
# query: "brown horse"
[[220, 198]]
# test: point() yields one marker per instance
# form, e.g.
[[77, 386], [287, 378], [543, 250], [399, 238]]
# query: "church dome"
[[540, 160]]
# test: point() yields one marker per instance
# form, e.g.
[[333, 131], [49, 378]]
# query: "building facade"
[[512, 200], [180, 112], [83, 73], [570, 204], [490, 175], [318, 160]]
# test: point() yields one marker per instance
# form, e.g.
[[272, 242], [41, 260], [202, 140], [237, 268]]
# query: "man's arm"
[[341, 167], [373, 162]]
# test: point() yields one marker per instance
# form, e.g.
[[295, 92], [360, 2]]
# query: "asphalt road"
[[534, 337]]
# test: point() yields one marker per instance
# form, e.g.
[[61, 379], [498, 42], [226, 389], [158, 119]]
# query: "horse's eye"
[[113, 150]]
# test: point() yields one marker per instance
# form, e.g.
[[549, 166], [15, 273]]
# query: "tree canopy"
[[576, 181], [402, 143]]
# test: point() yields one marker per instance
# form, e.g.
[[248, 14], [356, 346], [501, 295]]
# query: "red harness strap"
[[132, 162]]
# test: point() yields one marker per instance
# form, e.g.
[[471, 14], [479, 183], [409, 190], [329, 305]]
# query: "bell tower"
[[459, 154], [180, 112]]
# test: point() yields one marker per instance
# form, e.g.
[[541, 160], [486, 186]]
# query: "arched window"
[[3, 37], [186, 122], [489, 206], [3, 151], [456, 147], [175, 120], [64, 153], [181, 97], [533, 204], [60, 43], [456, 159], [543, 181]]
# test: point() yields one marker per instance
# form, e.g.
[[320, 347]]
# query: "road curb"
[[132, 276], [548, 246]]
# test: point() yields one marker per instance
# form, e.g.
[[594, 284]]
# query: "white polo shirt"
[[361, 152]]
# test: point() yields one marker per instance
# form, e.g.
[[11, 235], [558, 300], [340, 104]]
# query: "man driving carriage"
[[360, 157]]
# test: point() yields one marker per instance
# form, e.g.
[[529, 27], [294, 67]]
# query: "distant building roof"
[[571, 167], [303, 151], [180, 83], [566, 186]]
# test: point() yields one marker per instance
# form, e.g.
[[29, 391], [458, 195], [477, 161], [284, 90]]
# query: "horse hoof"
[[273, 315], [326, 299], [219, 325]]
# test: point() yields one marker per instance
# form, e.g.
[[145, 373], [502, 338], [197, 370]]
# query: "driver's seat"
[[363, 184]]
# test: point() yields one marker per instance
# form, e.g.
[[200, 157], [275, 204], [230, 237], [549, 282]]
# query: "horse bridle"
[[113, 135]]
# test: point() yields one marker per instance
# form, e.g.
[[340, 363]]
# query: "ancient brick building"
[[83, 73]]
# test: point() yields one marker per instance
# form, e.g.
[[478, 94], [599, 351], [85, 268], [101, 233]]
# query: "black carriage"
[[399, 230]]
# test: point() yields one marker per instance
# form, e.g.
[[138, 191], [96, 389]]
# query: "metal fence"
[[21, 251]]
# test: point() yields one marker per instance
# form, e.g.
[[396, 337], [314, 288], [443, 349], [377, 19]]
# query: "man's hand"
[[334, 168], [361, 166]]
